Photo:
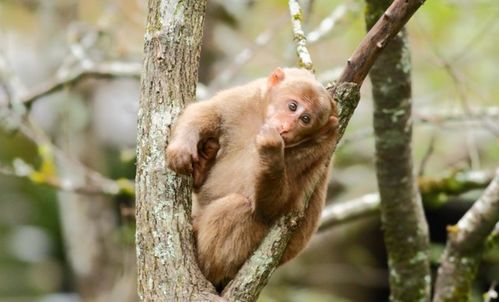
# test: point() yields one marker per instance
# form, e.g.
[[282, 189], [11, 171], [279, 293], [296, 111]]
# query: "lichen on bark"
[[167, 267], [404, 225]]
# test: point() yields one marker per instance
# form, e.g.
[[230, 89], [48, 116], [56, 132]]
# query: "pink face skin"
[[294, 119]]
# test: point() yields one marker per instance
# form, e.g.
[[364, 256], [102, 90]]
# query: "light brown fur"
[[253, 172]]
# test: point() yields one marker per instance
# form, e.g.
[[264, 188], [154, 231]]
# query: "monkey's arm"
[[271, 180], [198, 124]]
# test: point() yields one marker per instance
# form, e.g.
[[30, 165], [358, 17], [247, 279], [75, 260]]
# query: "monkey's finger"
[[195, 157]]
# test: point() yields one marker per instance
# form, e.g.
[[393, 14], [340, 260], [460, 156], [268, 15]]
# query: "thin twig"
[[428, 153], [339, 213], [95, 181], [304, 59], [104, 69], [23, 170], [245, 55], [491, 294], [327, 24]]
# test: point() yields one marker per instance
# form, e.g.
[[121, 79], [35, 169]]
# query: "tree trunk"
[[167, 267], [404, 224]]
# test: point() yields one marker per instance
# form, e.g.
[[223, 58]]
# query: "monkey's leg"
[[227, 232], [207, 151], [309, 224]]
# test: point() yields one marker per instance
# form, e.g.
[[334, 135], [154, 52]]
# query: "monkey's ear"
[[275, 77], [329, 128]]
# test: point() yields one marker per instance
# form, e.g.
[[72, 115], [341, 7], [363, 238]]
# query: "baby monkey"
[[255, 152]]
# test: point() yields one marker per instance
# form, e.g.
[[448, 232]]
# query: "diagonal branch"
[[465, 245], [394, 18]]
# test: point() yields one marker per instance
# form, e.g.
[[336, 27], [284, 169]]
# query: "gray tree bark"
[[403, 221], [167, 267]]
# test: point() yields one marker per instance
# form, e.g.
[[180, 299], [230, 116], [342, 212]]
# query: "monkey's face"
[[299, 107], [295, 118]]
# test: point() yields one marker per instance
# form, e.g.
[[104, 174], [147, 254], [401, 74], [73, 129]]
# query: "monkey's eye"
[[292, 106], [305, 119]]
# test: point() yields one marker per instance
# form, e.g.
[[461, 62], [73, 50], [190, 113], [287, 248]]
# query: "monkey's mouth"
[[288, 143], [286, 139]]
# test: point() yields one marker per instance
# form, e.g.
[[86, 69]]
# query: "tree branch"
[[93, 182], [436, 191], [341, 212], [245, 55], [299, 37], [367, 205], [103, 70], [395, 17], [327, 24], [40, 177], [465, 244]]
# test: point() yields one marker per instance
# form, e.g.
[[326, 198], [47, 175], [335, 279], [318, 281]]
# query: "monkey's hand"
[[269, 141], [181, 156]]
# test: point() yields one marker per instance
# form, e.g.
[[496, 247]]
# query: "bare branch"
[[327, 24], [465, 245], [95, 183], [438, 116], [305, 61], [104, 70], [395, 17], [338, 213], [23, 170], [254, 274], [12, 84], [245, 55], [367, 205], [428, 153]]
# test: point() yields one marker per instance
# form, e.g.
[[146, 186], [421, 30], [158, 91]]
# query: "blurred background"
[[70, 70]]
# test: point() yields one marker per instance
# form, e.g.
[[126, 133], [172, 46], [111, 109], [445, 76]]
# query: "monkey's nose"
[[285, 127]]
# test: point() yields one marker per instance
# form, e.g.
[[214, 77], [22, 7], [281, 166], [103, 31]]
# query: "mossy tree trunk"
[[404, 224]]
